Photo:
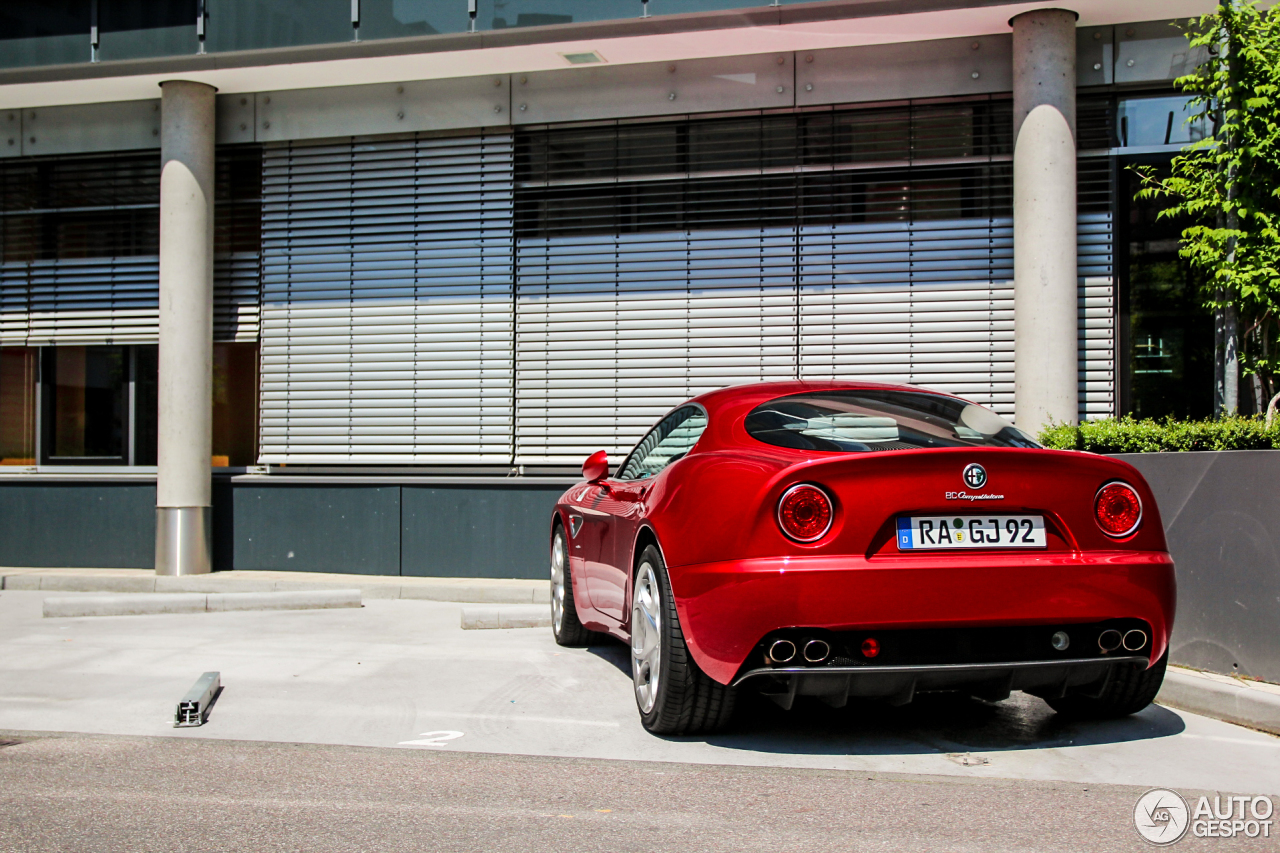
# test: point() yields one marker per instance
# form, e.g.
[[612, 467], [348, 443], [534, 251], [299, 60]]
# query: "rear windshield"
[[844, 421]]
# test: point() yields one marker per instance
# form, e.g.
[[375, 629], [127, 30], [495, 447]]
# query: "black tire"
[[568, 629], [687, 700], [1128, 691]]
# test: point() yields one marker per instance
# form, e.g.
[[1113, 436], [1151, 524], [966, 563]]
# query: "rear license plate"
[[933, 532]]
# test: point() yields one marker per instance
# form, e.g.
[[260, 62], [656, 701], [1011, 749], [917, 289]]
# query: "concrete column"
[[183, 492], [1046, 374]]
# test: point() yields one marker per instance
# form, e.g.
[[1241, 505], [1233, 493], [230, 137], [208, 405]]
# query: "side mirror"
[[596, 468]]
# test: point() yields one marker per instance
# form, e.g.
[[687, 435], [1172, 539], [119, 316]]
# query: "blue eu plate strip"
[[904, 533]]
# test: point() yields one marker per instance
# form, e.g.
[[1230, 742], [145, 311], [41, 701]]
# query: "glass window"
[[1166, 334], [101, 405], [146, 408], [867, 420], [18, 406], [1157, 121], [501, 14], [88, 396], [383, 19], [235, 404], [679, 7], [670, 440], [136, 29], [252, 24], [44, 32]]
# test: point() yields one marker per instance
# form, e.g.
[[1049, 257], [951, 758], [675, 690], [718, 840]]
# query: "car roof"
[[727, 407], [762, 392]]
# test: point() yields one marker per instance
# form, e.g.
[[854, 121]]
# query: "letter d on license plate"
[[936, 532]]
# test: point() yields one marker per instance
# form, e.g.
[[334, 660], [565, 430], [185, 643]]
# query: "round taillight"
[[804, 513], [870, 647], [1118, 509]]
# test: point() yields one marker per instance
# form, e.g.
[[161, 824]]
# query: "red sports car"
[[854, 539]]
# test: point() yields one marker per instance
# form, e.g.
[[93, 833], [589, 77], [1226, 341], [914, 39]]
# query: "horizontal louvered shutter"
[[925, 303], [81, 249], [94, 300], [1095, 266], [615, 330], [872, 244], [236, 296], [387, 301], [237, 243]]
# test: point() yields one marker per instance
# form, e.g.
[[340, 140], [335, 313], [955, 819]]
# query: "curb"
[[479, 618], [1222, 698], [477, 590], [151, 603]]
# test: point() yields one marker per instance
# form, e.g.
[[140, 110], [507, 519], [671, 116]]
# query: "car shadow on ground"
[[949, 723]]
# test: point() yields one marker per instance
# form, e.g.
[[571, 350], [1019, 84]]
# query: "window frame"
[[697, 407]]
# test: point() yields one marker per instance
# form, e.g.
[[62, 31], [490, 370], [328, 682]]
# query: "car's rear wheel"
[[674, 695], [565, 625], [1128, 691]]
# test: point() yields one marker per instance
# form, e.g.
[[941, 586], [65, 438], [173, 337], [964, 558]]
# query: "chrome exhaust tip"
[[1109, 640], [816, 651], [782, 651], [1135, 640]]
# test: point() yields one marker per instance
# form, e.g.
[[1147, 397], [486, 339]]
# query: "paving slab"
[[403, 674], [480, 590], [154, 603], [514, 616]]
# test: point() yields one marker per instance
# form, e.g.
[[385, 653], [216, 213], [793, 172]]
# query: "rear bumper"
[[726, 608], [899, 684]]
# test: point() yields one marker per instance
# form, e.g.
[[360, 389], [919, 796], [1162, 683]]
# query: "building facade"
[[422, 257]]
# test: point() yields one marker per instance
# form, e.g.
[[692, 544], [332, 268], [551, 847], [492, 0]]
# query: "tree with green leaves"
[[1228, 185]]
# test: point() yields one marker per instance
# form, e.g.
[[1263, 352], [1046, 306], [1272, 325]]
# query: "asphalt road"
[[108, 793]]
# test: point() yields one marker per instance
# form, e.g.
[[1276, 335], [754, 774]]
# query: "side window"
[[668, 441]]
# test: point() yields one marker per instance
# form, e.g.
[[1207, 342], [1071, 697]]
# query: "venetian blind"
[[658, 261], [386, 317], [81, 242]]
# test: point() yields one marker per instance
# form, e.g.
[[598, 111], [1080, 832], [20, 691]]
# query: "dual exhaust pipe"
[[815, 651], [785, 651], [1132, 641]]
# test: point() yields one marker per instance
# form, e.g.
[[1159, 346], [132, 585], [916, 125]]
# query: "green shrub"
[[1126, 435]]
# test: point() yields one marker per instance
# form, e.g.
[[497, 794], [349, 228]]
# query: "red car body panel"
[[736, 577]]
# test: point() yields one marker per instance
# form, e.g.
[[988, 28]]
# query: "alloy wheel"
[[646, 637], [558, 563]]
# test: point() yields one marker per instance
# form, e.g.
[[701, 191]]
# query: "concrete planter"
[[1221, 513]]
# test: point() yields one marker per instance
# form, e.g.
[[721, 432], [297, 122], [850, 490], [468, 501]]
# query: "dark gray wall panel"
[[1221, 514], [480, 532], [330, 528], [78, 525]]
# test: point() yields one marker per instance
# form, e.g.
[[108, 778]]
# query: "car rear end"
[[888, 571]]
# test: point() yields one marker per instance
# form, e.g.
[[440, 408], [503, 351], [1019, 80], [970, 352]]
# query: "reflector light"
[[804, 513], [1117, 509], [870, 647]]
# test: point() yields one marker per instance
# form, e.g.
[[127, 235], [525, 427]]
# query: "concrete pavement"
[[404, 674]]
